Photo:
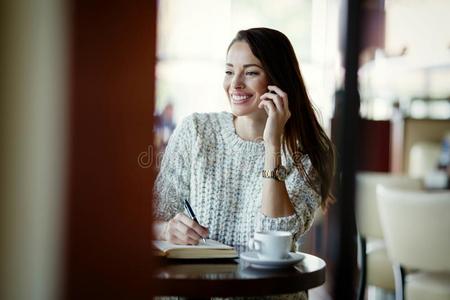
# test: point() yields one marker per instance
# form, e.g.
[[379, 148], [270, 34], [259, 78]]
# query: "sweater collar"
[[235, 140]]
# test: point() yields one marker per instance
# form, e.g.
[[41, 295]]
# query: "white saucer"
[[255, 261]]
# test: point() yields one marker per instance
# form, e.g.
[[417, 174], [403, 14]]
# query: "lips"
[[239, 98]]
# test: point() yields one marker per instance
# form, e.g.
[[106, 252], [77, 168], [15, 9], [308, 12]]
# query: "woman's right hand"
[[183, 230]]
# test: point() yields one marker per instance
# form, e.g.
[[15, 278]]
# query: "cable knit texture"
[[207, 163]]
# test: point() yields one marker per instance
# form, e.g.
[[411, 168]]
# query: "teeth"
[[239, 98]]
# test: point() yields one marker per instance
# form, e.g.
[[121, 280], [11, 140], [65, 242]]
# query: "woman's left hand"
[[275, 103]]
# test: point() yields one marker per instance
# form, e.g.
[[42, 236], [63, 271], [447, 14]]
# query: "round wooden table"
[[232, 278]]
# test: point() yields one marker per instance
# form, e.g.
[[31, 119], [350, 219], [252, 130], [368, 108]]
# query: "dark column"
[[108, 236], [343, 239]]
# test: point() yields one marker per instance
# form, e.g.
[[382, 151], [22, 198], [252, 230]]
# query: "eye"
[[251, 73], [228, 73]]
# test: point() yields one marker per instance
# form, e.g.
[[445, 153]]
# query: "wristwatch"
[[279, 173]]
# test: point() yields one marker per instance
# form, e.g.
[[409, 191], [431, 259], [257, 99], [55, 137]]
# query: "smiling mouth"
[[240, 99]]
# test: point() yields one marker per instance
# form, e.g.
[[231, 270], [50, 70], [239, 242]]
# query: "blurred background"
[[88, 87], [405, 62], [403, 77]]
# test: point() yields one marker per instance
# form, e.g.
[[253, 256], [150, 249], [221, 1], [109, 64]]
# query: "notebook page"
[[210, 244]]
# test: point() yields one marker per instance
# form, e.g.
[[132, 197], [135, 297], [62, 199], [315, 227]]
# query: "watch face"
[[281, 173]]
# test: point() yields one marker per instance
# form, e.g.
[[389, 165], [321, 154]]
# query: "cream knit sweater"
[[207, 163]]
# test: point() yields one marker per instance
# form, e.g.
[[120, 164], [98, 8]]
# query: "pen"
[[188, 207]]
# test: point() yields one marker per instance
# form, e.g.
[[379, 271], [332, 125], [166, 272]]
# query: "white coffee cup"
[[271, 244]]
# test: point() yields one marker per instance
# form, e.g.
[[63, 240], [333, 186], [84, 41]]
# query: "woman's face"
[[245, 81]]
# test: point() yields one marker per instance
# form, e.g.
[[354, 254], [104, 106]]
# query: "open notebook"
[[210, 249]]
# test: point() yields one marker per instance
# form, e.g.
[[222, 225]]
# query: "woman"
[[230, 166]]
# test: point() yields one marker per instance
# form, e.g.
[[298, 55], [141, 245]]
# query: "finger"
[[171, 234], [272, 96], [180, 233], [278, 104], [187, 231], [268, 96], [263, 102], [200, 230], [277, 90], [186, 239], [179, 239], [282, 94], [265, 97], [268, 106], [175, 240]]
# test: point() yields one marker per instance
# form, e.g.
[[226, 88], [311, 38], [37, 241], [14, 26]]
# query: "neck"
[[250, 127]]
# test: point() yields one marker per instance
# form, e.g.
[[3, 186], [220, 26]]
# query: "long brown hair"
[[302, 133]]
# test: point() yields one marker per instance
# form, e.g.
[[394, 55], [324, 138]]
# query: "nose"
[[237, 82]]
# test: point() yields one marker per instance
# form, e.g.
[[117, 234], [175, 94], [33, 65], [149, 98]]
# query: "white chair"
[[376, 269], [416, 226]]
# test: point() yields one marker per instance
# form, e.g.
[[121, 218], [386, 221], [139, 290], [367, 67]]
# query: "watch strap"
[[268, 174], [279, 173]]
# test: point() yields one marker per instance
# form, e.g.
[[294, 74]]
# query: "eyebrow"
[[246, 66]]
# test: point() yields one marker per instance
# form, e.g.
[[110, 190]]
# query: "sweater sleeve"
[[172, 184], [304, 199]]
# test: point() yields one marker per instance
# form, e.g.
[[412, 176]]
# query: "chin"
[[239, 112], [243, 110]]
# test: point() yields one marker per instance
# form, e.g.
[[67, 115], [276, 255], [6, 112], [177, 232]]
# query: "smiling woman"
[[245, 80], [265, 166]]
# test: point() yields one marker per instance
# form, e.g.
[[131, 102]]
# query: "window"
[[193, 37]]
